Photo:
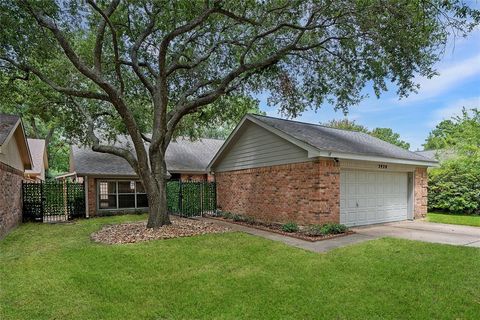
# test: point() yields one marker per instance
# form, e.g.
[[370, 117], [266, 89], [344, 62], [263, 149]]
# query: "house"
[[113, 187], [280, 170], [38, 151], [15, 158], [438, 154]]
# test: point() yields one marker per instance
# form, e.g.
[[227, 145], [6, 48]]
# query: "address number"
[[382, 166]]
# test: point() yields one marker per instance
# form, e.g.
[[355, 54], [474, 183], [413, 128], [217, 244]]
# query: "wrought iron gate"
[[53, 201]]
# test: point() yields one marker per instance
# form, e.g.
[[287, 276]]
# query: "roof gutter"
[[350, 156]]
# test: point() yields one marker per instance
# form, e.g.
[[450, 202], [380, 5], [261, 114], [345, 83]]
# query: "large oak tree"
[[143, 67]]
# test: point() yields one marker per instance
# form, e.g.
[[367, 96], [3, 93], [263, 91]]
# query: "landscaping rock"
[[138, 231]]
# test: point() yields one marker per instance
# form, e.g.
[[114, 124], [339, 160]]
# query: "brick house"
[[112, 187], [15, 158], [280, 170]]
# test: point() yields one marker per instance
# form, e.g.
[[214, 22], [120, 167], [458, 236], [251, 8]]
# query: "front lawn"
[[56, 272], [467, 220]]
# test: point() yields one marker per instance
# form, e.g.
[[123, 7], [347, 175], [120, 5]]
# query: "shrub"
[[314, 230], [226, 215], [333, 228], [249, 220], [325, 229], [455, 186], [240, 218], [290, 227]]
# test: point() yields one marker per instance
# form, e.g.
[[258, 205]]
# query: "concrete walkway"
[[425, 231], [412, 230], [318, 246]]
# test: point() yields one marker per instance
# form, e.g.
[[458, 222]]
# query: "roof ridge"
[[200, 138], [308, 123]]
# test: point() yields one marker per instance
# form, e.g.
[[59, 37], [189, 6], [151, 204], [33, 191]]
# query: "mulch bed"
[[138, 232], [277, 228]]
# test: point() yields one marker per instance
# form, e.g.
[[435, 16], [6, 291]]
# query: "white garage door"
[[368, 197]]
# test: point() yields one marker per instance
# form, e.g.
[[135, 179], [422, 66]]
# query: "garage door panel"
[[351, 203], [371, 203], [372, 197]]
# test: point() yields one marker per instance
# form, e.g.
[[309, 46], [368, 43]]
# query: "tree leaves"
[[385, 134]]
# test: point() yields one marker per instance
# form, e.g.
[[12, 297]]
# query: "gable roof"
[[11, 126], [8, 124], [323, 141], [38, 152], [182, 155]]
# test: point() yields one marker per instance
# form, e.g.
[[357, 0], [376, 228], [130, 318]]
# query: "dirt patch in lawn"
[[138, 232]]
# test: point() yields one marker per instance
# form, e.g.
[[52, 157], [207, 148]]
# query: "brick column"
[[421, 193]]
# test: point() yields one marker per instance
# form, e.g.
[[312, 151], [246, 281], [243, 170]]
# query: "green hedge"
[[190, 198], [455, 186]]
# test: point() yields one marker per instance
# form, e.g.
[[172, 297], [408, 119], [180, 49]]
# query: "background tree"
[[461, 131], [124, 64], [455, 186], [346, 124], [216, 121], [385, 134], [41, 111]]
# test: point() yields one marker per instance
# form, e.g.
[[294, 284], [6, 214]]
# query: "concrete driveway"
[[425, 231]]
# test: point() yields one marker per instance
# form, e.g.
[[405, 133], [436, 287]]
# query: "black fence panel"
[[189, 199], [53, 201]]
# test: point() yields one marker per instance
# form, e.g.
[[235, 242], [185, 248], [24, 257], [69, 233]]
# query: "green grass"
[[56, 272], [467, 220]]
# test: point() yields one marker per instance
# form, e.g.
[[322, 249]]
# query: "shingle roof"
[[182, 155], [37, 150], [438, 154], [7, 124], [339, 140]]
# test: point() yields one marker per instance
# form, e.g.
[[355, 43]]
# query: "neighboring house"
[[440, 154], [40, 160], [112, 185], [15, 158], [280, 170]]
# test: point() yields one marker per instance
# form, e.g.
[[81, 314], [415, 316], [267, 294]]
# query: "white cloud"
[[453, 109], [449, 77]]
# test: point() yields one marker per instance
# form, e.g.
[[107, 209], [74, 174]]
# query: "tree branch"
[[98, 147], [99, 41], [115, 97], [134, 54], [55, 86]]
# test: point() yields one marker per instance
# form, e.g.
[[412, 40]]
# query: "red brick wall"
[[10, 198], [307, 192], [420, 190]]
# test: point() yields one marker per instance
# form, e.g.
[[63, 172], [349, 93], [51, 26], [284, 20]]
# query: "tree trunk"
[[157, 203]]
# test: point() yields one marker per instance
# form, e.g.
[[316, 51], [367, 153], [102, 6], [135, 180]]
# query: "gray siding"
[[257, 147]]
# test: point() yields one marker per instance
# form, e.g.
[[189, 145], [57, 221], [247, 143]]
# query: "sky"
[[439, 98]]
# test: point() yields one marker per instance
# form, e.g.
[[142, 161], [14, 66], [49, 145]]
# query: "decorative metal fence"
[[53, 201], [189, 199]]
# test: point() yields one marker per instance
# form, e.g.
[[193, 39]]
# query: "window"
[[121, 194], [142, 200], [108, 195]]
